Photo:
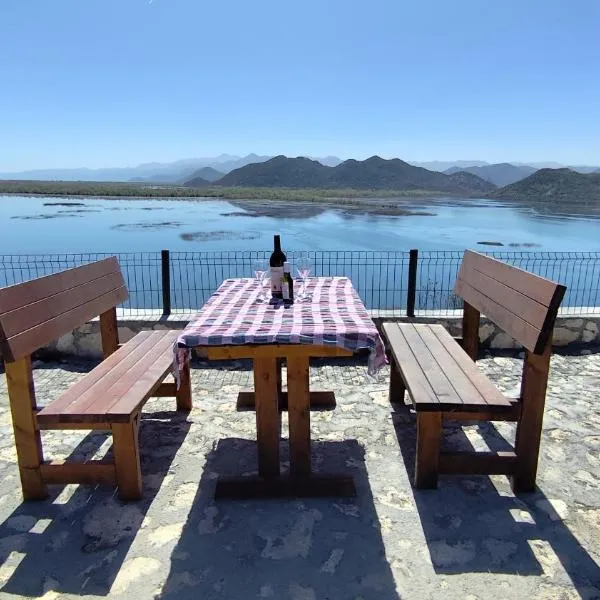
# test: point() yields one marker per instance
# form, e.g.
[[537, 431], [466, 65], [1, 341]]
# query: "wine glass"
[[259, 266], [303, 266]]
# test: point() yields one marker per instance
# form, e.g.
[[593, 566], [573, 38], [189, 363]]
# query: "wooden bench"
[[110, 397], [444, 382]]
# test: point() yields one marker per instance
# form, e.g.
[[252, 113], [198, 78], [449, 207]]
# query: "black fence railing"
[[391, 283]]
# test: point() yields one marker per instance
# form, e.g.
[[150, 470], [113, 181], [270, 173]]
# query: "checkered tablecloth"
[[333, 315]]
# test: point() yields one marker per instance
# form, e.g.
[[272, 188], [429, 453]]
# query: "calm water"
[[47, 226], [34, 225]]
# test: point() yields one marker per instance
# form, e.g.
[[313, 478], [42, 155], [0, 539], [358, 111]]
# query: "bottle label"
[[276, 277], [286, 290]]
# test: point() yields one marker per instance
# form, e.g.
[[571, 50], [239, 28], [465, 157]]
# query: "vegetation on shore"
[[139, 190]]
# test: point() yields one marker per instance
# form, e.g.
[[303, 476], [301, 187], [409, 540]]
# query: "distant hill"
[[500, 174], [562, 187], [207, 173], [197, 182], [471, 182], [375, 173], [444, 165], [279, 171]]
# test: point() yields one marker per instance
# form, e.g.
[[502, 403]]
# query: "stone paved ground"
[[469, 539]]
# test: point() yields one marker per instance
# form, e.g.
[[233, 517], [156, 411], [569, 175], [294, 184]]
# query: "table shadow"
[[76, 542], [473, 525], [281, 548]]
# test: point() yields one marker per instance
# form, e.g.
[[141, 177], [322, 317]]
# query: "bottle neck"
[[277, 243]]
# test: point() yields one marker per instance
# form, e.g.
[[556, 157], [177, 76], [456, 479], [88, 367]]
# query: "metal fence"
[[391, 283]]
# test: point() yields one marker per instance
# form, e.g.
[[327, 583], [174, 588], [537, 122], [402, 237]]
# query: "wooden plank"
[[127, 460], [166, 390], [90, 472], [534, 383], [470, 331], [98, 379], [316, 486], [32, 315], [429, 438], [468, 393], [397, 387], [513, 300], [405, 360], [477, 463], [270, 351], [21, 294], [131, 389], [438, 379], [21, 394], [79, 397], [184, 393], [299, 416], [534, 286], [69, 426], [109, 332], [511, 414], [523, 332], [30, 340], [267, 416], [486, 388], [321, 400]]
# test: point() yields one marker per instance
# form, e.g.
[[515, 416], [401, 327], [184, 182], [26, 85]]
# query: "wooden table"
[[234, 325]]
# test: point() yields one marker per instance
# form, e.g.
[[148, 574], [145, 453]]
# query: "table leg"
[[267, 416], [299, 415]]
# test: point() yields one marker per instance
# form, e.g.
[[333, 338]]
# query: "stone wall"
[[573, 331]]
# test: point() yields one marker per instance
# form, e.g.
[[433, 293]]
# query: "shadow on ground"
[[474, 524], [313, 548], [76, 541]]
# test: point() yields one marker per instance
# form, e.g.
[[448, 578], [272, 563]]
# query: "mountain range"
[[183, 170], [500, 174], [374, 173]]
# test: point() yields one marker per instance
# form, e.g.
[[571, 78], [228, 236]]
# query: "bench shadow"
[[280, 548], [475, 525], [75, 541]]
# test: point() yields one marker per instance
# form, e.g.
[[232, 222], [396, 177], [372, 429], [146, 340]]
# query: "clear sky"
[[118, 82]]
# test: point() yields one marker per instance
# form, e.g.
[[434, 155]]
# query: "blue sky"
[[118, 82]]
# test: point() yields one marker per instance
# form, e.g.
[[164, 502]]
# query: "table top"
[[332, 315]]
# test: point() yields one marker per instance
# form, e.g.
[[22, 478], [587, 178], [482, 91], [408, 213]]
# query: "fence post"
[[166, 282], [412, 283]]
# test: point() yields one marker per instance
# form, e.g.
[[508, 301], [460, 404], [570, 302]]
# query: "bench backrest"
[[523, 304], [39, 311]]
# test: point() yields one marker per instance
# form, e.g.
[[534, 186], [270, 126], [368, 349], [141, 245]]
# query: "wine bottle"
[[287, 284], [276, 267]]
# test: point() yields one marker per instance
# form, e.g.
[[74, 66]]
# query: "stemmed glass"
[[303, 266], [259, 266]]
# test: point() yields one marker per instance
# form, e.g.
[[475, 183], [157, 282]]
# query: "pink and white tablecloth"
[[333, 315]]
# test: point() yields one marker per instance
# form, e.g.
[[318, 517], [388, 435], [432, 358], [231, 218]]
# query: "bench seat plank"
[[115, 364], [429, 365], [408, 365], [116, 388], [438, 374]]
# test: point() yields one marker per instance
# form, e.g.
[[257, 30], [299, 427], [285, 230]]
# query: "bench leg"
[[184, 393], [429, 437], [127, 459], [21, 393], [397, 387], [529, 427]]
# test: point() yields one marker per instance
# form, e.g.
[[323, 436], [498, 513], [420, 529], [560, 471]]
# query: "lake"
[[45, 225], [208, 239]]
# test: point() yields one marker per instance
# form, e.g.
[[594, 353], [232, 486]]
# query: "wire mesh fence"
[[142, 272], [185, 280], [379, 277]]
